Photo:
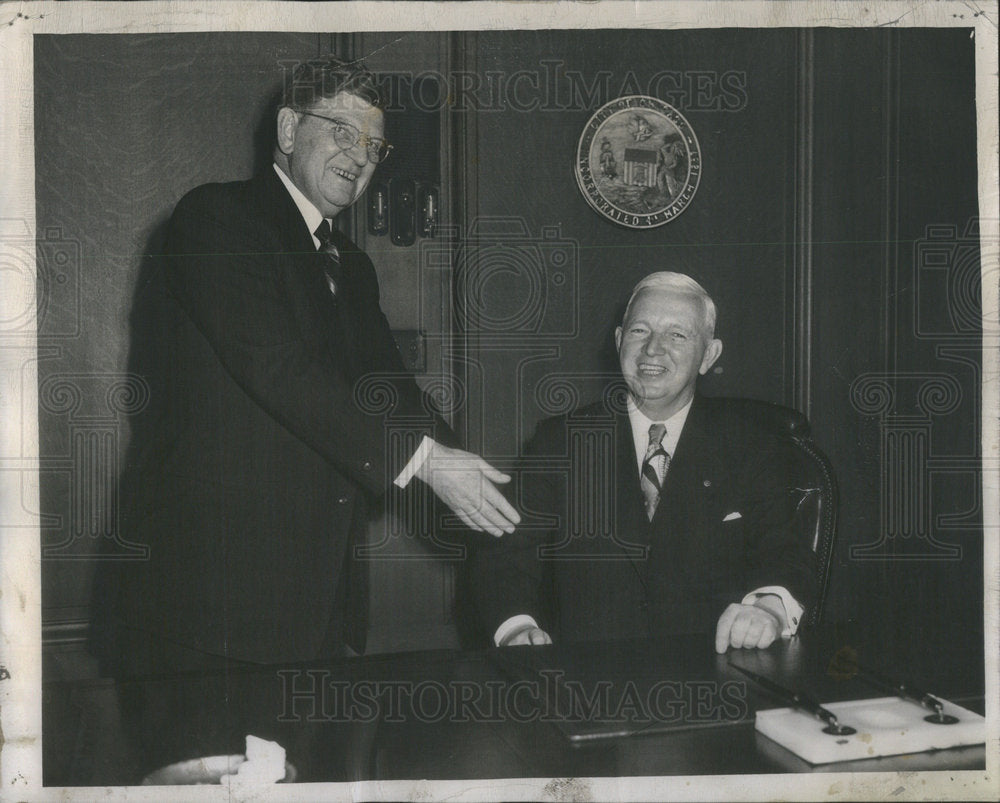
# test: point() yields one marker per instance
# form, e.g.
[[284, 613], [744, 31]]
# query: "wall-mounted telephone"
[[402, 211]]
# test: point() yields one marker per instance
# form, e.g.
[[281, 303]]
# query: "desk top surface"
[[633, 708]]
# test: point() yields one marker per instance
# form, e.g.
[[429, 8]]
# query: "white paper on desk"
[[265, 764], [886, 726]]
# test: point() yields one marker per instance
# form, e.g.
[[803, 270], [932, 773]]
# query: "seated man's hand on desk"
[[751, 624], [747, 626], [754, 625]]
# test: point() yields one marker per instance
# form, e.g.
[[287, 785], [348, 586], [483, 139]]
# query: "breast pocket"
[[724, 538]]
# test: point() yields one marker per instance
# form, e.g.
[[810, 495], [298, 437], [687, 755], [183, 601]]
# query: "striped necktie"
[[654, 468], [333, 268], [344, 318]]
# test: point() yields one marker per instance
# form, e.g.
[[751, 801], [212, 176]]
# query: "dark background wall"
[[898, 317], [124, 126], [832, 226]]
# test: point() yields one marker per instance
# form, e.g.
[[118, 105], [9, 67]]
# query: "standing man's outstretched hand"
[[465, 482]]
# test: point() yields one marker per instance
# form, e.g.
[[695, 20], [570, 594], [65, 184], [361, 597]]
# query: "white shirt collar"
[[310, 214], [640, 430]]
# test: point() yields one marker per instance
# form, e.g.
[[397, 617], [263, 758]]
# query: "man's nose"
[[654, 344]]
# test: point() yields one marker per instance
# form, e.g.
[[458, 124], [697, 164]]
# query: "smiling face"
[[330, 176], [663, 346]]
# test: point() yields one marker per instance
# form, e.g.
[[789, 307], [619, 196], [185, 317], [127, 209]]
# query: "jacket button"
[[367, 465], [342, 500]]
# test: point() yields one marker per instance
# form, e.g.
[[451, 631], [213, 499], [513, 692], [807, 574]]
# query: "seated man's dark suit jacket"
[[614, 574], [250, 471]]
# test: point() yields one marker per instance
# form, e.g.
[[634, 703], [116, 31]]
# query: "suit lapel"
[[693, 473], [631, 503], [304, 267], [278, 208], [632, 528], [295, 252]]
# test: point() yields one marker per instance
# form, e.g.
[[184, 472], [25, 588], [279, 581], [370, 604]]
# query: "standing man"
[[251, 471], [699, 501]]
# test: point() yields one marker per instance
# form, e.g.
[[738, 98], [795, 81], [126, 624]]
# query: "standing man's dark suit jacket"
[[723, 528], [250, 471]]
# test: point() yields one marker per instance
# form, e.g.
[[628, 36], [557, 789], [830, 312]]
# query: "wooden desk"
[[445, 714]]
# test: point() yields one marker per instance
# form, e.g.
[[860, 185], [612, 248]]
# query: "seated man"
[[679, 519]]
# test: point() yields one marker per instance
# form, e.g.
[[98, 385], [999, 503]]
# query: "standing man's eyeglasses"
[[347, 136]]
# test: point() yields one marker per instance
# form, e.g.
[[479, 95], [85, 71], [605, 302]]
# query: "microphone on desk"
[[908, 691], [800, 701]]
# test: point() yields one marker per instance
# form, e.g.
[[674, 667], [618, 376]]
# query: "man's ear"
[[288, 122], [618, 338], [712, 353]]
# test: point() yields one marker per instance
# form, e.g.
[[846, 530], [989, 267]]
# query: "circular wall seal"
[[638, 162]]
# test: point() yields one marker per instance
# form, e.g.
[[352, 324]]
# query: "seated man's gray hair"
[[682, 283]]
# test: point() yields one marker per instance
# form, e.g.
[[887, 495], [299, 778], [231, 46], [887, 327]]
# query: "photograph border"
[[20, 549]]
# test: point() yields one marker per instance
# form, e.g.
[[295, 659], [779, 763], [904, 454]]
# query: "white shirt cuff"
[[511, 626], [793, 611], [415, 463]]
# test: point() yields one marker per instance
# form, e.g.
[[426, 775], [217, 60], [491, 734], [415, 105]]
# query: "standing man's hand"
[[465, 482]]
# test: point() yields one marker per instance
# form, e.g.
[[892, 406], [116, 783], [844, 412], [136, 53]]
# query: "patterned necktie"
[[343, 318], [654, 468], [333, 269]]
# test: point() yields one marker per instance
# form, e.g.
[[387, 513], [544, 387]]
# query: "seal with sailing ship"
[[638, 162]]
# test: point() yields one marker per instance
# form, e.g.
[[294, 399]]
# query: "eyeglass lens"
[[347, 137]]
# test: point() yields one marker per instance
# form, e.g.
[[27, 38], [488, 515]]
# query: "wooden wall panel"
[[896, 337]]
